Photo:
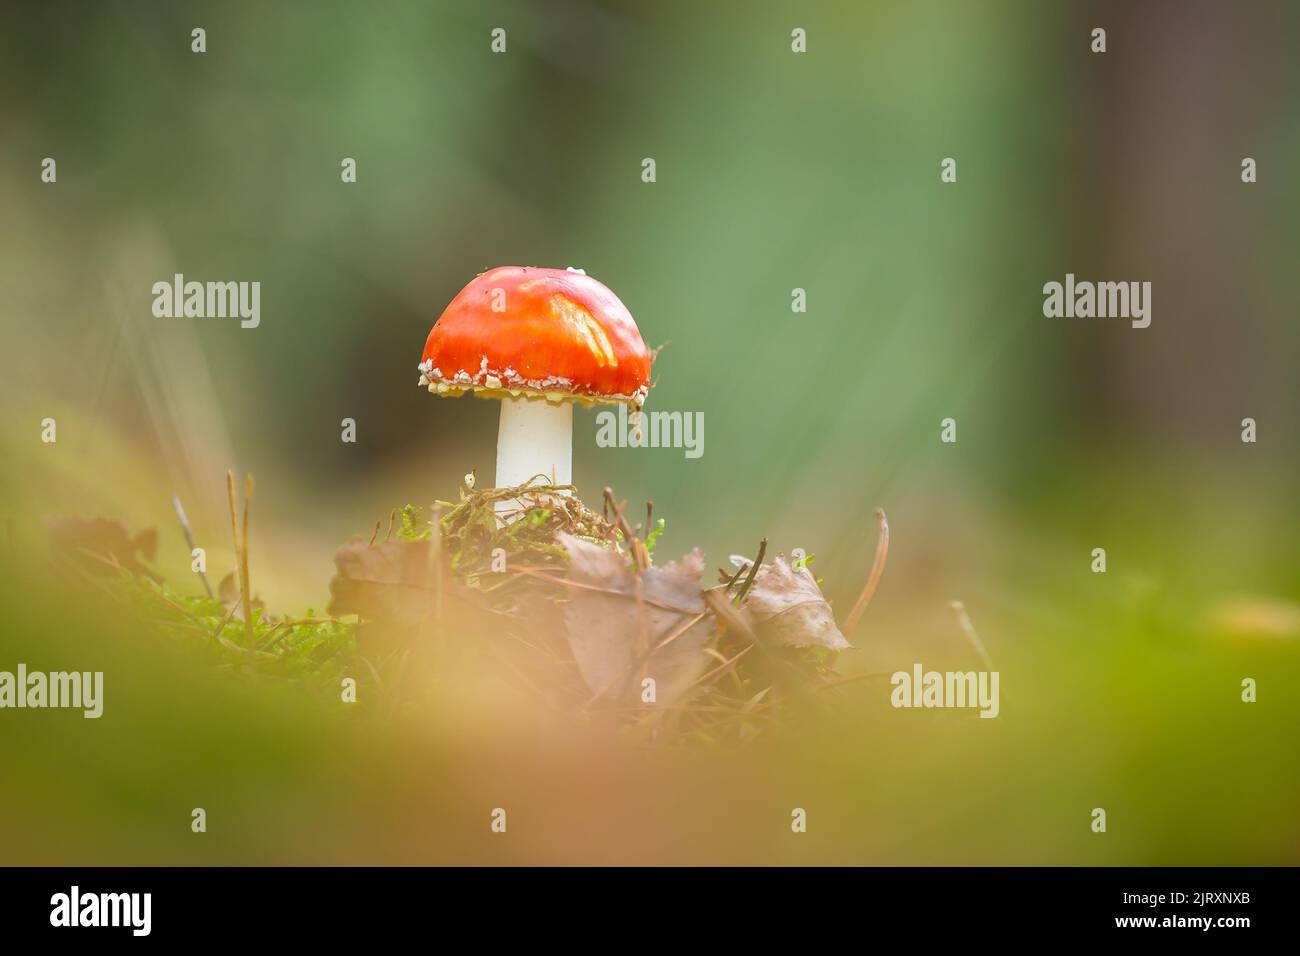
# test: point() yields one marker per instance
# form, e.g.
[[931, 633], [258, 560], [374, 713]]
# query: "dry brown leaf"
[[604, 626], [108, 539], [786, 607], [383, 582]]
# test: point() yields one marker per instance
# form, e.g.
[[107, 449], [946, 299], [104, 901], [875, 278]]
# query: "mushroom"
[[539, 340]]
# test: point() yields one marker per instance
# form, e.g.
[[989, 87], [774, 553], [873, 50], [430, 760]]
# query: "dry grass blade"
[[189, 539], [241, 552], [234, 523], [243, 564], [230, 613], [873, 579], [678, 631], [583, 586], [725, 666], [234, 536], [968, 629], [791, 674]]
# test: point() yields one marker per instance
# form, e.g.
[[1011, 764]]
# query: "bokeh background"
[[775, 170]]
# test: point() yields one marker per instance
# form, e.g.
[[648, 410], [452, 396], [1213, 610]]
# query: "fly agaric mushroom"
[[539, 340]]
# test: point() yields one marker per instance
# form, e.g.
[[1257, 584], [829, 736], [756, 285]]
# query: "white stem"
[[535, 438]]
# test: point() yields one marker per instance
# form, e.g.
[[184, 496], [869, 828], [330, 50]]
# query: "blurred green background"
[[775, 170]]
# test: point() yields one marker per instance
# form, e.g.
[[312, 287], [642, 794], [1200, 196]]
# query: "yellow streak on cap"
[[587, 328]]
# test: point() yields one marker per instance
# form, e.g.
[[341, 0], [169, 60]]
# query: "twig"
[[189, 539], [639, 553], [753, 570], [873, 579]]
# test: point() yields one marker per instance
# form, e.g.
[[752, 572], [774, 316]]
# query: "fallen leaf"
[[109, 540], [604, 624], [384, 582], [786, 607]]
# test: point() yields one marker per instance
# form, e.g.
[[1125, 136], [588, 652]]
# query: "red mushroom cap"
[[541, 333]]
